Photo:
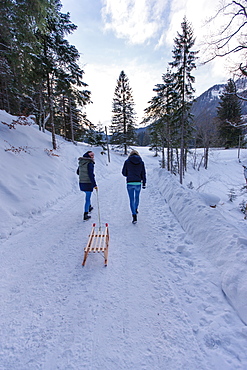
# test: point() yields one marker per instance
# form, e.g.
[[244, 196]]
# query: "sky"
[[174, 292], [136, 36]]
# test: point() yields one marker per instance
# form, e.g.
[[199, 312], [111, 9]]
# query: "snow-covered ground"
[[174, 293]]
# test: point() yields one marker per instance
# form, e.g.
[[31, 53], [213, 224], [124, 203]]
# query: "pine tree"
[[69, 120], [6, 74], [229, 116], [39, 73], [18, 23], [123, 119], [100, 139], [161, 112], [183, 63], [143, 137], [61, 75]]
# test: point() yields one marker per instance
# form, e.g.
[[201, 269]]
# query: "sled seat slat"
[[98, 242]]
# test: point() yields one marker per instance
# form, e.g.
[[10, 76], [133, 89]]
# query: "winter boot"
[[86, 216], [90, 208], [134, 221]]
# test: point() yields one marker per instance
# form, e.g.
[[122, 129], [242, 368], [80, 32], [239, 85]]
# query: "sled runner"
[[98, 242]]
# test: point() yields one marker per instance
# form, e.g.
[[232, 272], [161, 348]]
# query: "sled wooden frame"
[[98, 242]]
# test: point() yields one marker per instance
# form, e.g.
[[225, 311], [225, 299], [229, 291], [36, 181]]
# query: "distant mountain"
[[205, 107], [206, 104], [142, 134]]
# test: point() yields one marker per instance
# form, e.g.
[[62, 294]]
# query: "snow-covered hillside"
[[174, 293]]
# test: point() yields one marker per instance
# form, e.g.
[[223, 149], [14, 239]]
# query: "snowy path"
[[151, 308]]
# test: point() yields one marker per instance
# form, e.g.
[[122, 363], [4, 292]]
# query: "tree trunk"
[[41, 113], [194, 161], [163, 165], [71, 122], [124, 126], [7, 108], [50, 100], [178, 163], [168, 157], [181, 163], [185, 160], [239, 146], [206, 150], [107, 145], [168, 149], [64, 116], [171, 159], [54, 143]]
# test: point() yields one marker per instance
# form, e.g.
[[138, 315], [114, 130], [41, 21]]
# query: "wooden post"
[[239, 146], [107, 144]]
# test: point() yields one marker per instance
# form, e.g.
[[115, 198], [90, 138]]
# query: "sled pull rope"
[[97, 192]]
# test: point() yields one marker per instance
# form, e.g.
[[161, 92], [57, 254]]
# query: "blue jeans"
[[87, 200], [134, 193]]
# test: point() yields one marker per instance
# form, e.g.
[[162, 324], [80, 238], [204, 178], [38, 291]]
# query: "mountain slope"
[[206, 104]]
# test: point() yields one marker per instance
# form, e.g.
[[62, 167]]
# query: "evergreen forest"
[[40, 73]]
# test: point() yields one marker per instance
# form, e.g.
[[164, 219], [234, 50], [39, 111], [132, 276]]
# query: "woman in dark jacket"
[[87, 180], [135, 173]]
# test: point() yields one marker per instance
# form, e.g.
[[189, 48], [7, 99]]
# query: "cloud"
[[137, 21], [196, 12]]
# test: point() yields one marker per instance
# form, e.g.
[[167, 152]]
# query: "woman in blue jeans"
[[87, 180], [135, 173]]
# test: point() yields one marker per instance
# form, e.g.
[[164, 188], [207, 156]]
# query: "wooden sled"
[[98, 242]]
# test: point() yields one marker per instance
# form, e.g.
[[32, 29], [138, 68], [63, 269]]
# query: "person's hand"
[[143, 186], [96, 187]]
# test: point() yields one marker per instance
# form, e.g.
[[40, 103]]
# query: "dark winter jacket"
[[245, 172], [86, 174], [134, 169]]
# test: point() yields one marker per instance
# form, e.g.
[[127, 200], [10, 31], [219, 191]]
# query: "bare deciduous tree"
[[230, 37]]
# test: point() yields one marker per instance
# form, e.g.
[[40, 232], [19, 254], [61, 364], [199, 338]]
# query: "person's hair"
[[134, 152]]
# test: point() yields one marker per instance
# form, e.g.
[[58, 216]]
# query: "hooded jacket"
[[86, 173], [134, 169]]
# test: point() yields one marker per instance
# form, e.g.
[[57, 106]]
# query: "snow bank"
[[219, 240], [33, 176]]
